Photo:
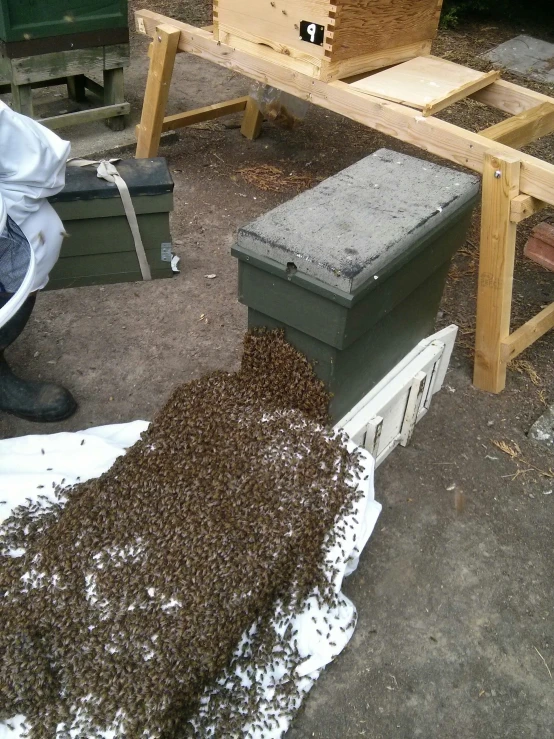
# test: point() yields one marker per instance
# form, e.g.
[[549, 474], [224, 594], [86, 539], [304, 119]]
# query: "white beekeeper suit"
[[32, 168]]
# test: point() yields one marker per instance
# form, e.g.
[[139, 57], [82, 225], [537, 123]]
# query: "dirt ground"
[[456, 613]]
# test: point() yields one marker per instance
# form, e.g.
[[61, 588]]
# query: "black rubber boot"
[[34, 401]]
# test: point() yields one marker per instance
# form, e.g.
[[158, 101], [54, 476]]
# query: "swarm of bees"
[[128, 609]]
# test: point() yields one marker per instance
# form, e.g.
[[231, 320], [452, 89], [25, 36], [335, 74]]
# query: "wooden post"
[[162, 61], [114, 94], [76, 88], [22, 99], [496, 270], [252, 120]]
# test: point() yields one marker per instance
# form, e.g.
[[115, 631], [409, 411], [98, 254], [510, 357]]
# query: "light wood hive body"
[[358, 36]]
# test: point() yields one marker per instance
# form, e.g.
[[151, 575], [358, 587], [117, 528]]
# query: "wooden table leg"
[[496, 270], [114, 93], [76, 88], [252, 120], [162, 61], [22, 99]]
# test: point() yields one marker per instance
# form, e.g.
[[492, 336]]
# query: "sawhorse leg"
[[496, 271], [162, 61], [252, 120]]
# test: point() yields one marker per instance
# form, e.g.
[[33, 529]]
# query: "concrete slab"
[[543, 429], [527, 56], [351, 226]]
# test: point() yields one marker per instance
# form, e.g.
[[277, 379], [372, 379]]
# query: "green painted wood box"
[[354, 269], [23, 20], [99, 247]]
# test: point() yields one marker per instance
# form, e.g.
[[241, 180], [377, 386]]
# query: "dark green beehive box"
[[23, 20], [99, 247], [354, 269]]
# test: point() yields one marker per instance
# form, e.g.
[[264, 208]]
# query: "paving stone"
[[543, 428], [527, 56]]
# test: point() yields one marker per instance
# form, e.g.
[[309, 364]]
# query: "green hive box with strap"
[[355, 268], [99, 247]]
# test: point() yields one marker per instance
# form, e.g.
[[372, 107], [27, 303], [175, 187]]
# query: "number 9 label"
[[313, 33]]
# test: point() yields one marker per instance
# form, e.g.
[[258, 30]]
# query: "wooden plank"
[[45, 83], [430, 134], [208, 113], [94, 87], [496, 271], [426, 82], [528, 333], [116, 56], [114, 94], [523, 128], [509, 97], [86, 116], [68, 63], [76, 88], [523, 206], [157, 90], [460, 93], [252, 120], [22, 99]]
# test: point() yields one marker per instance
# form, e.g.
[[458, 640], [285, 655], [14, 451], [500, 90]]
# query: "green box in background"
[[99, 247], [23, 20]]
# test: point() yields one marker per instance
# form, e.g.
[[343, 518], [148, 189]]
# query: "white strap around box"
[[106, 170]]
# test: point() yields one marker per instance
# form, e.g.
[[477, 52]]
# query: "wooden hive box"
[[329, 39]]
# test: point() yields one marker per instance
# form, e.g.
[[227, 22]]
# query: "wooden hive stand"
[[64, 42], [515, 185]]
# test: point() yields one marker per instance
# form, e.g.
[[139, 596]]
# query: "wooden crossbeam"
[[198, 115], [430, 134], [510, 98], [86, 116], [523, 128], [523, 206], [528, 333]]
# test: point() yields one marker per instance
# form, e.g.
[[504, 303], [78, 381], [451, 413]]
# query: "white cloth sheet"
[[27, 462]]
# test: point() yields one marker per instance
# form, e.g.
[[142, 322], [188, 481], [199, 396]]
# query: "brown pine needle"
[[273, 179], [515, 453], [524, 367], [512, 451]]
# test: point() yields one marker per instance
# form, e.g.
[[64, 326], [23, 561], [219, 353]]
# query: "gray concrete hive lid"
[[347, 229]]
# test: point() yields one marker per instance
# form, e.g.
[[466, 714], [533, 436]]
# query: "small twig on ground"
[[543, 659]]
